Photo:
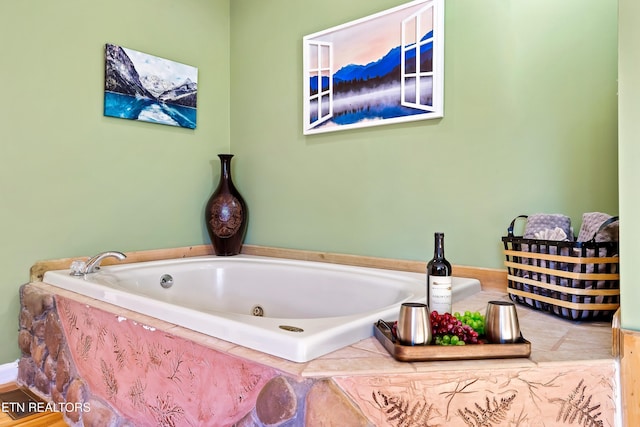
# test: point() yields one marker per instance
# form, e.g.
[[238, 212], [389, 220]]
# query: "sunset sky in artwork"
[[363, 41]]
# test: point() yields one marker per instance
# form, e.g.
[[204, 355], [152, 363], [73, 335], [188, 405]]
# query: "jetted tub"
[[297, 310]]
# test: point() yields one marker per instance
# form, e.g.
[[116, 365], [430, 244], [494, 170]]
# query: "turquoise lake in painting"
[[148, 110]]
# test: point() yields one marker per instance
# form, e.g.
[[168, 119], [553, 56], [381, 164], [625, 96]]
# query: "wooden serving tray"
[[421, 353]]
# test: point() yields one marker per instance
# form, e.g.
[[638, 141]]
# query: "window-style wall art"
[[139, 86], [381, 69]]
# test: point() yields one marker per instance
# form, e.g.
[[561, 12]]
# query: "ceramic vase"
[[226, 213]]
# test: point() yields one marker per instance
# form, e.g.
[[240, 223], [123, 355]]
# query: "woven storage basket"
[[573, 280]]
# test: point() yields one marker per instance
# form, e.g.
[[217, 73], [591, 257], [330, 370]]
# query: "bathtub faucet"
[[80, 268]]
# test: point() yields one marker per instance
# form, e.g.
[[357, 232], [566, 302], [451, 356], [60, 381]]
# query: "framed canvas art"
[[144, 87], [381, 69]]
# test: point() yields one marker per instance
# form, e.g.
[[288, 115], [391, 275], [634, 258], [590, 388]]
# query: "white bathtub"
[[308, 308]]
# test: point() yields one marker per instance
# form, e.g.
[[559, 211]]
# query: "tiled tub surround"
[[136, 370]]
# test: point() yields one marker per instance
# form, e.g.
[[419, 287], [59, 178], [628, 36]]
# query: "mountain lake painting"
[[381, 69], [143, 87]]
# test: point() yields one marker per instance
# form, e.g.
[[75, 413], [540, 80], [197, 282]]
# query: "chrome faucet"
[[80, 268]]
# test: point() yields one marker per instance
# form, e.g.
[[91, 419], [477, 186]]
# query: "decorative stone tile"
[[526, 397], [157, 378], [75, 398], [372, 346], [50, 368], [24, 341], [27, 370], [361, 349], [36, 301], [276, 402], [361, 366], [57, 397], [474, 364], [52, 334], [38, 352], [41, 382], [63, 370], [247, 421], [99, 415], [282, 365], [26, 319], [328, 406]]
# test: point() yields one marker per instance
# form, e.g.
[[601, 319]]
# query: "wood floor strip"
[[43, 419]]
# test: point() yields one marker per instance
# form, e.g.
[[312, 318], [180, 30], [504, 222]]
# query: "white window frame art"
[[381, 69], [320, 98]]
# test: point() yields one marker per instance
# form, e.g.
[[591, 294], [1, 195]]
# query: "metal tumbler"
[[501, 322], [414, 325]]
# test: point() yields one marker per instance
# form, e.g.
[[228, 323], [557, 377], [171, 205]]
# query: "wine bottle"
[[439, 279]]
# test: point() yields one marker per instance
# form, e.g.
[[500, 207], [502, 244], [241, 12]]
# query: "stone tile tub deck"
[[113, 367]]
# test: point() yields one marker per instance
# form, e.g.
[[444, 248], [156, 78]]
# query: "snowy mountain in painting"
[[155, 84], [185, 94], [122, 77], [121, 74]]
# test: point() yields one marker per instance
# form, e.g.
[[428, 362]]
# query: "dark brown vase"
[[226, 213]]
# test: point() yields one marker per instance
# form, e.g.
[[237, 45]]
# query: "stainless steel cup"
[[501, 322], [414, 325]]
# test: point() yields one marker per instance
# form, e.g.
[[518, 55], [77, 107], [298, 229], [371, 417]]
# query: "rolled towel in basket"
[[590, 228], [546, 227], [594, 227], [540, 222], [548, 234]]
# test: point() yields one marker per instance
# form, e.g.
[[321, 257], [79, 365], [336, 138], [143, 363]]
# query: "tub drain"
[[257, 311], [291, 328]]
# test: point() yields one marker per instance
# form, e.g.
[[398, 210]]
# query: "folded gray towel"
[[590, 228], [539, 222]]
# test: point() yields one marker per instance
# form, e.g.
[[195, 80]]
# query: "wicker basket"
[[573, 280]]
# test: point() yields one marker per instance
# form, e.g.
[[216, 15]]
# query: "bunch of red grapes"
[[448, 330]]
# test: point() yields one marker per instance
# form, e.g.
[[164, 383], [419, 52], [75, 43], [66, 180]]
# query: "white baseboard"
[[9, 372]]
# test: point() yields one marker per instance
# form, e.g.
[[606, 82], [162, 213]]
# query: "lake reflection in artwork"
[[148, 88]]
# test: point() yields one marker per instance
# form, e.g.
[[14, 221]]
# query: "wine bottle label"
[[440, 294]]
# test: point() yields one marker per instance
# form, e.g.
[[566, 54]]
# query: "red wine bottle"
[[439, 279]]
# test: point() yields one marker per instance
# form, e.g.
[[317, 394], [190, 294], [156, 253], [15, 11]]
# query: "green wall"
[[73, 182], [629, 173], [530, 126]]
